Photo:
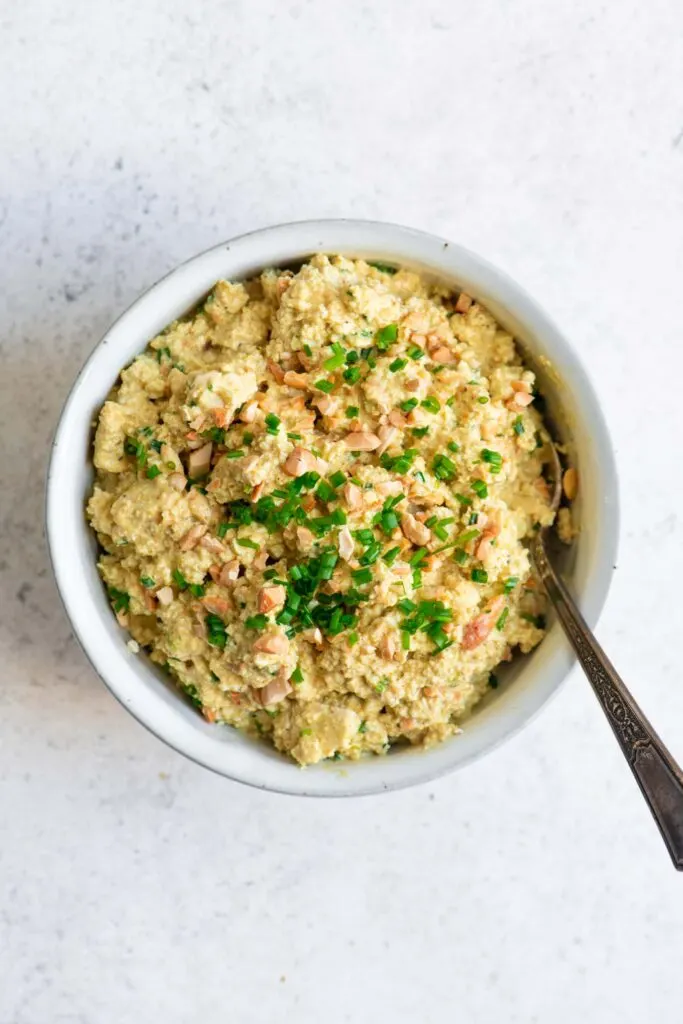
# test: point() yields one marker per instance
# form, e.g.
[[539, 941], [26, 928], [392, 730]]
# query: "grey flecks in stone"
[[135, 885]]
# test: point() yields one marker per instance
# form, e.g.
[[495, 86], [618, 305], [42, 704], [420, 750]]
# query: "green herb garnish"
[[217, 633], [259, 621], [179, 579], [337, 358], [120, 599], [386, 336], [246, 542], [352, 374], [408, 405]]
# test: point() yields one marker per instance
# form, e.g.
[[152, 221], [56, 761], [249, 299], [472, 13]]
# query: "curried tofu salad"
[[313, 498]]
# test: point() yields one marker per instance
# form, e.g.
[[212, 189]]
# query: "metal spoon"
[[659, 777]]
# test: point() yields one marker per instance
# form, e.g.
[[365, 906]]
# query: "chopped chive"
[[245, 542], [147, 582], [385, 336], [381, 686], [248, 437], [308, 350], [510, 584], [325, 491], [463, 499], [259, 621], [272, 423], [430, 403], [451, 401], [222, 529], [215, 434], [197, 589], [518, 426], [407, 606], [390, 556], [120, 599], [480, 488], [337, 359], [388, 522], [217, 634], [483, 399], [352, 357], [338, 478], [443, 468], [352, 640], [297, 676], [467, 536], [383, 268], [479, 576], [362, 576], [460, 556], [351, 411], [408, 405], [418, 557], [324, 385], [453, 446], [405, 640], [419, 475], [237, 454], [419, 431], [352, 374], [179, 579], [493, 459], [415, 352], [398, 364], [500, 622]]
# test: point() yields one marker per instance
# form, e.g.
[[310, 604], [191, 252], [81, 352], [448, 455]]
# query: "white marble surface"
[[531, 887]]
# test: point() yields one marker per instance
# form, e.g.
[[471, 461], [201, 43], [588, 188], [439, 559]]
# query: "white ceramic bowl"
[[147, 693]]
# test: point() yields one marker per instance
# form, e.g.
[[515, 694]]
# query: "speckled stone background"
[[531, 887]]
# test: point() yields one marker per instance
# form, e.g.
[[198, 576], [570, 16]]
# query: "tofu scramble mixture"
[[313, 495]]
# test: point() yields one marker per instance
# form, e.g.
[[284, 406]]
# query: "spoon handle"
[[659, 777]]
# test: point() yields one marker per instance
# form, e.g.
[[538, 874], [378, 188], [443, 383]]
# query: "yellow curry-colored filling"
[[313, 497]]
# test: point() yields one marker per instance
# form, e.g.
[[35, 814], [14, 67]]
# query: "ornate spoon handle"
[[659, 777]]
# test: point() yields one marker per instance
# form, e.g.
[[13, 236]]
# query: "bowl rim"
[[420, 766]]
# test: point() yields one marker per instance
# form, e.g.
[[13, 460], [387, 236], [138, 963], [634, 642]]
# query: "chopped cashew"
[[199, 462], [362, 441], [192, 537], [271, 597], [416, 532]]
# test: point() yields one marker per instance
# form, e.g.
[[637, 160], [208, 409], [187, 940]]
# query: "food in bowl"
[[313, 496]]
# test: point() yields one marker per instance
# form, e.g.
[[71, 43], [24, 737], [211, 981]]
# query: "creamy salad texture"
[[312, 498]]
